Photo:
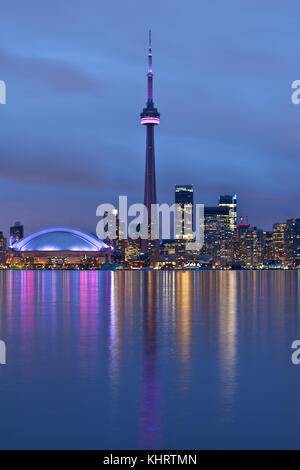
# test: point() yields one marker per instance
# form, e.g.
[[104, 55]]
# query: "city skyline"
[[74, 149], [149, 229]]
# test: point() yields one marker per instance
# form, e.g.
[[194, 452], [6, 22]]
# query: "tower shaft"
[[150, 117], [150, 178]]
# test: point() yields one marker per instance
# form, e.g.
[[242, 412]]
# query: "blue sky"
[[75, 72]]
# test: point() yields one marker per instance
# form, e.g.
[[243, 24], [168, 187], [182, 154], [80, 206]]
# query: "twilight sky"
[[75, 73]]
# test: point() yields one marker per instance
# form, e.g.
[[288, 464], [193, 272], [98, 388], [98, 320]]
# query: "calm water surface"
[[104, 360]]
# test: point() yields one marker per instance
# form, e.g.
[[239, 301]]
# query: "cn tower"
[[150, 118]]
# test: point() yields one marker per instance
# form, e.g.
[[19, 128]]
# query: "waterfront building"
[[218, 235], [168, 254], [279, 242], [292, 242], [133, 249], [173, 253], [253, 247], [168, 247], [269, 251], [58, 247], [239, 243]]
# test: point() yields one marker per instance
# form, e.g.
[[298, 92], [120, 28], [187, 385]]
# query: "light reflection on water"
[[149, 359]]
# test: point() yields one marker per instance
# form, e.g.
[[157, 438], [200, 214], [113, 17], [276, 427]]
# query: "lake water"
[[158, 360]]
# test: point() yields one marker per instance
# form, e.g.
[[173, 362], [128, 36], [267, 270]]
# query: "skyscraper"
[[254, 247], [217, 234], [269, 248], [292, 242], [279, 240], [16, 233], [184, 198], [2, 248], [230, 201], [239, 241], [150, 118]]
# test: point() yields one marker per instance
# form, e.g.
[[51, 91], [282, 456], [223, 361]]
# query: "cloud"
[[57, 75], [76, 83]]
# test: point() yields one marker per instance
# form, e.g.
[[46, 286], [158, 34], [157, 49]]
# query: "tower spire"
[[150, 74]]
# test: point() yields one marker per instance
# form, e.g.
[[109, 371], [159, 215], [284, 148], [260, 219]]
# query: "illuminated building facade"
[[279, 243], [16, 233], [217, 234], [2, 248], [59, 247], [292, 244], [132, 249], [254, 247], [239, 243], [168, 247], [269, 252], [117, 239], [168, 251], [184, 198], [230, 201], [249, 246]]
